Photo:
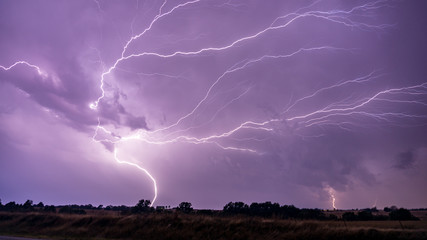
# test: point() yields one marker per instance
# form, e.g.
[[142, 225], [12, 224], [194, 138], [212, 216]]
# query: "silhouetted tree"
[[266, 209], [389, 209], [365, 215], [124, 210], [142, 206], [236, 208], [289, 211], [11, 207], [40, 205], [50, 208], [28, 205], [307, 213], [185, 207], [160, 208], [402, 214], [143, 203]]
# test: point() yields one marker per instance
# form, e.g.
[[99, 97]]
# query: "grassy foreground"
[[193, 226]]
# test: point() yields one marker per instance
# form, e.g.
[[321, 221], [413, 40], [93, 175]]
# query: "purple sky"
[[296, 102]]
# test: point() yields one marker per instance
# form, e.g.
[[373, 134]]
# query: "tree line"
[[265, 210], [268, 209]]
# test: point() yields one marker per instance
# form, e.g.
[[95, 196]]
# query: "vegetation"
[[185, 207], [402, 214], [237, 220]]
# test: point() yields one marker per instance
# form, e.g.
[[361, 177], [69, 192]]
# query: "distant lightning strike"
[[332, 196]]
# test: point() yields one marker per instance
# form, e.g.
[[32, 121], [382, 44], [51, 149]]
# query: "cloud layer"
[[218, 100]]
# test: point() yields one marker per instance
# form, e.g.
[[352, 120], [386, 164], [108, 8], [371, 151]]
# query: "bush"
[[266, 209], [307, 213], [365, 216], [402, 214], [349, 216], [185, 207], [70, 210], [289, 211], [142, 206], [50, 208], [236, 208]]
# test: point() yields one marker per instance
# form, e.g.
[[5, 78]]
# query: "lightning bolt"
[[333, 16], [375, 203], [142, 169], [37, 68], [334, 111], [332, 196], [94, 105]]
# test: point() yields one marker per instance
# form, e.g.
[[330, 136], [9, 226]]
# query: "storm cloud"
[[285, 101]]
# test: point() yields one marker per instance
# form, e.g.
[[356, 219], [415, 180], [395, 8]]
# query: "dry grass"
[[422, 214], [110, 225]]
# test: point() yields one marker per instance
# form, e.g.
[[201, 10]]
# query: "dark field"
[[101, 224]]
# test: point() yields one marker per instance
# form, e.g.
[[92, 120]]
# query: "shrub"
[[402, 214]]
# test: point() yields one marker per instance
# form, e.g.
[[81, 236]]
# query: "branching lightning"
[[338, 113], [37, 68]]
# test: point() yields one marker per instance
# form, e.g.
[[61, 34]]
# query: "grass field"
[[111, 225]]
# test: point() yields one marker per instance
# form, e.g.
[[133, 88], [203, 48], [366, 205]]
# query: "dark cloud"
[[136, 122], [405, 160]]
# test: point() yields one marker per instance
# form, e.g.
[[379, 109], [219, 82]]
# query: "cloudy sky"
[[211, 101]]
